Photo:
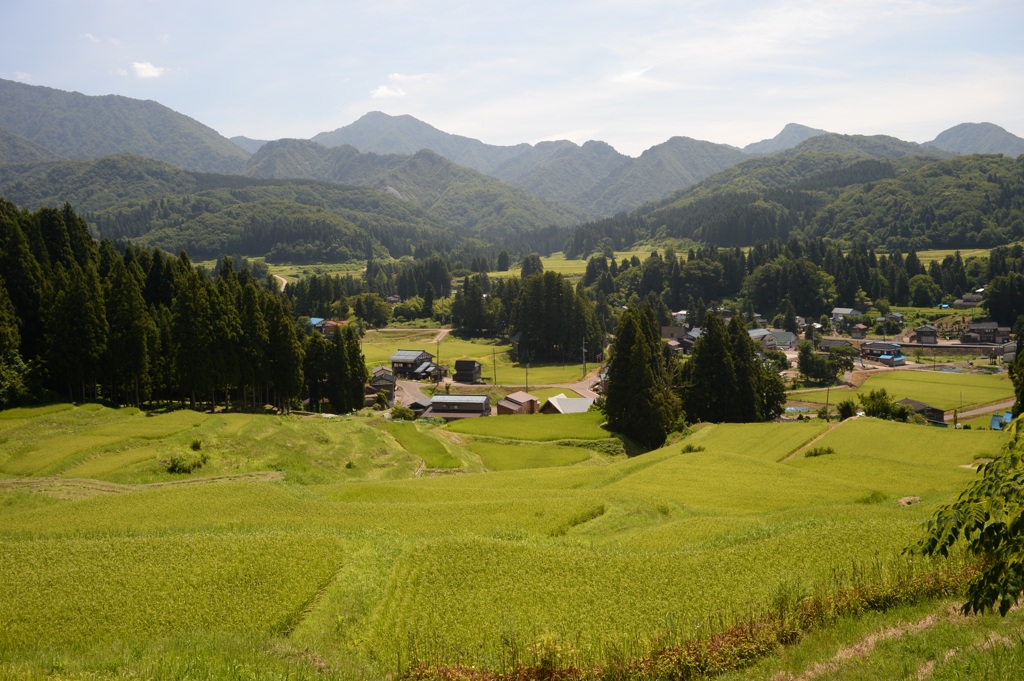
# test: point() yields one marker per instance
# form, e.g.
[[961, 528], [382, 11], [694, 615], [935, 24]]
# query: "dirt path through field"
[[807, 445], [866, 646], [78, 488]]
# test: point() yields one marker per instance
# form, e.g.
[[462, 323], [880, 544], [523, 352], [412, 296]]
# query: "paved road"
[[412, 391], [996, 408]]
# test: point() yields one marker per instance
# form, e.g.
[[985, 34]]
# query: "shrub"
[[819, 451], [196, 445], [186, 462], [846, 409], [691, 448], [400, 412]]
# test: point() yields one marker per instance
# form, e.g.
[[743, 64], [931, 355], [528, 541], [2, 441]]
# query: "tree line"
[[85, 320]]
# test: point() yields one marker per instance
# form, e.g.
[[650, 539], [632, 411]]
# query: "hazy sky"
[[630, 73]]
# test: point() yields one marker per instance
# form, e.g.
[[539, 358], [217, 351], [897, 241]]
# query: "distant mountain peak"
[[790, 136], [979, 138]]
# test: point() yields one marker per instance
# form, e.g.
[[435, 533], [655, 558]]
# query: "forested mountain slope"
[[852, 189], [979, 138], [17, 149], [453, 194], [76, 126], [593, 177]]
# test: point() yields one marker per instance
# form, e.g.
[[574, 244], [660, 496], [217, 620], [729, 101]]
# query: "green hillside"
[[212, 215], [864, 191], [16, 149], [285, 559], [77, 126]]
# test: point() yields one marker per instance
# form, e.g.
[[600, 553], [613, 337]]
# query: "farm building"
[[672, 332], [927, 334], [381, 378], [929, 413], [405, 362], [419, 406], [467, 371], [894, 360], [454, 407], [968, 300], [828, 344], [560, 404], [858, 331], [518, 403]]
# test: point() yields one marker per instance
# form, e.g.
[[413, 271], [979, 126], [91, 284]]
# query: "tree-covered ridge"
[[77, 126], [17, 149], [456, 195], [979, 138], [894, 203], [94, 184], [299, 220]]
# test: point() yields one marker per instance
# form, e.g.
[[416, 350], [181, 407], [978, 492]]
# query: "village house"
[[454, 407], [839, 313], [968, 301], [468, 371], [765, 337], [327, 327], [518, 403], [414, 364], [381, 379], [785, 340], [687, 342], [673, 332], [830, 343], [877, 349], [560, 404], [858, 332], [986, 332], [926, 411]]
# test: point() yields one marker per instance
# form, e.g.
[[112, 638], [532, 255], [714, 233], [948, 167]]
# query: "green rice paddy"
[[279, 559], [942, 389]]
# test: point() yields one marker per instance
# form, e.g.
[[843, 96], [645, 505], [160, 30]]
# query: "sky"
[[630, 73]]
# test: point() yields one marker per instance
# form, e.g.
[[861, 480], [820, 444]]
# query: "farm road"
[[1005, 405]]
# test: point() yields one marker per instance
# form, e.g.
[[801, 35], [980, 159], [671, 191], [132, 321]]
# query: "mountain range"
[[138, 169], [591, 180]]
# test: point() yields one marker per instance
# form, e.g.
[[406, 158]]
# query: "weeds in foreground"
[[789, 615]]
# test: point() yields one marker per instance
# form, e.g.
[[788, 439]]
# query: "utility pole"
[[584, 357], [494, 366], [527, 377]]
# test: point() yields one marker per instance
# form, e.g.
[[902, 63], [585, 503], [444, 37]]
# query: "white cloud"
[[22, 76], [91, 38], [145, 69], [387, 92], [409, 77]]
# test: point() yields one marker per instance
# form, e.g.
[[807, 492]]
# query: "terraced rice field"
[[281, 560]]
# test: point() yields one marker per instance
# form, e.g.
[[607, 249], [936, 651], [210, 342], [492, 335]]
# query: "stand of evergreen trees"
[[83, 320]]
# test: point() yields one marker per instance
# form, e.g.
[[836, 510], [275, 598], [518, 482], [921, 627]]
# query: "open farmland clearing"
[[368, 568], [945, 390]]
